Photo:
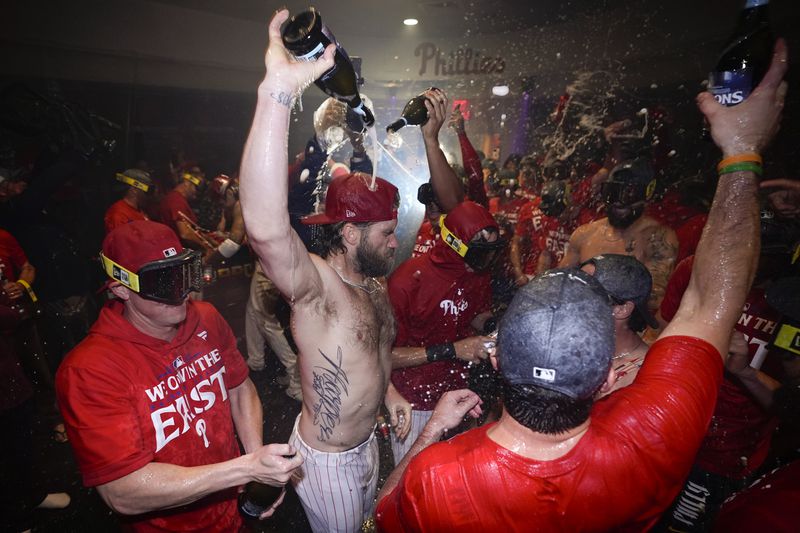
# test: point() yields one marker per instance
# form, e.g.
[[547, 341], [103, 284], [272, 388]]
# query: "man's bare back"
[[646, 239], [345, 341]]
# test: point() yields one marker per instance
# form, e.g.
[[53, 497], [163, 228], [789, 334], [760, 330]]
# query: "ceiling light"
[[410, 22], [500, 90]]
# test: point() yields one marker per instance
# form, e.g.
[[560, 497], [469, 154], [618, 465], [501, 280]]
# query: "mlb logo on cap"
[[547, 374], [169, 252]]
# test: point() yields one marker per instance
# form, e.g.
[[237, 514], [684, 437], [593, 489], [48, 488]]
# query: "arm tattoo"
[[285, 99], [329, 383], [661, 255]]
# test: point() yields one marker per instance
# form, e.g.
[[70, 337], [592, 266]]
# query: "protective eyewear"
[[479, 255], [191, 178], [167, 280], [616, 192], [142, 186]]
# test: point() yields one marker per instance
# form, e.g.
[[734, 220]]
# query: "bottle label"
[[730, 88], [755, 3], [313, 54]]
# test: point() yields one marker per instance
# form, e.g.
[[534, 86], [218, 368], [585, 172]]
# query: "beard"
[[622, 218], [370, 262]]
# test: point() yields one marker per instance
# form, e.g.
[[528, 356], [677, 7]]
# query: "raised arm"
[[469, 158], [446, 185], [264, 183], [727, 255]]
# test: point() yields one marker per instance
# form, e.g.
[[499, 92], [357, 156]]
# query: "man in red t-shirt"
[[16, 272], [441, 302], [547, 463], [152, 396], [131, 206], [175, 211]]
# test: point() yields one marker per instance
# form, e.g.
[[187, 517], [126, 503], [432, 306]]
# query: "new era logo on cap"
[[546, 374], [350, 214], [169, 252]]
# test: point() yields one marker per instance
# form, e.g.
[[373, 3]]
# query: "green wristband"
[[746, 166]]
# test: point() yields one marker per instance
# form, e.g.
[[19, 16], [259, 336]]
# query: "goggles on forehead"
[[620, 192], [167, 280], [191, 178], [478, 255], [133, 182]]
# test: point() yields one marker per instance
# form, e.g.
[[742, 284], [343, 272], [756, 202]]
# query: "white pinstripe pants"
[[400, 447], [337, 490]]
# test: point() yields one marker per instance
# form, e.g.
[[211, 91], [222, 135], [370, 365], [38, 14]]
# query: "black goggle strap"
[[452, 241], [192, 178], [788, 338], [120, 273], [133, 182]]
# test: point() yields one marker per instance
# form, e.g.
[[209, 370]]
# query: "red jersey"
[[670, 211], [529, 227], [434, 303], [770, 504], [739, 436], [173, 203], [689, 234], [584, 195], [121, 212], [620, 476], [129, 399], [426, 238], [554, 237], [12, 257]]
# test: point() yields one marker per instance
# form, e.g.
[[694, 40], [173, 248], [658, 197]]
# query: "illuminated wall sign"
[[463, 105], [460, 62]]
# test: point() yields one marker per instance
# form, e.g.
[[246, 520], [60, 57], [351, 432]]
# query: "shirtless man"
[[341, 317], [626, 230]]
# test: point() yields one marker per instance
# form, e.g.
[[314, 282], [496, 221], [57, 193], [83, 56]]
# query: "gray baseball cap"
[[625, 278], [558, 334]]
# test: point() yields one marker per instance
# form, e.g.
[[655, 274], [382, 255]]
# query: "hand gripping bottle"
[[306, 37], [414, 114], [746, 57]]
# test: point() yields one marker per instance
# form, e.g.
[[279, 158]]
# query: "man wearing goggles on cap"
[[441, 303], [138, 189], [175, 212], [626, 230], [152, 397]]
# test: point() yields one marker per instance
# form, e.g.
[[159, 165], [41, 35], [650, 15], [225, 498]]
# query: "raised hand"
[[749, 126], [286, 77], [436, 104]]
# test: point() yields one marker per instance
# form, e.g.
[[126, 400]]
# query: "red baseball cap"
[[140, 242], [350, 199]]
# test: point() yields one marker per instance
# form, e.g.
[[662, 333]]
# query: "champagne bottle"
[[257, 498], [414, 114], [306, 37], [746, 57]]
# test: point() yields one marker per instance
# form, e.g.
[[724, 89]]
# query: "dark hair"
[[636, 322], [543, 410], [330, 240]]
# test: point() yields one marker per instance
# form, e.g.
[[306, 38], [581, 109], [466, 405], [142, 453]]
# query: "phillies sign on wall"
[[458, 62]]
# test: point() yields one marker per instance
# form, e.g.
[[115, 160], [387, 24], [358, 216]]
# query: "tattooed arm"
[[661, 252]]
